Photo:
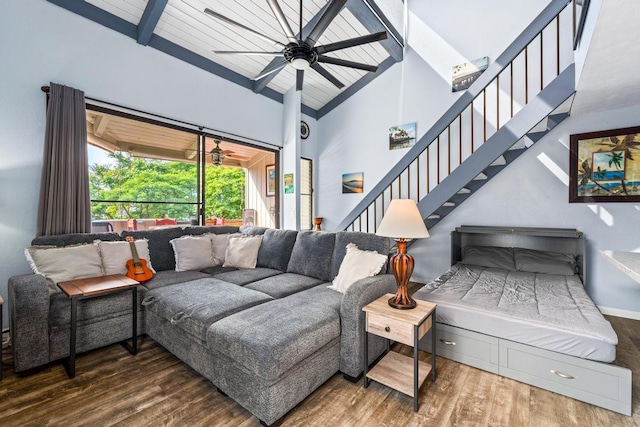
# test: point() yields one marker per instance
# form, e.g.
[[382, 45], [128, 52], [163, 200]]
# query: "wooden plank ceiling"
[[114, 133], [184, 23]]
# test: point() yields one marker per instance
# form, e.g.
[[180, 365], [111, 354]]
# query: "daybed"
[[514, 303], [266, 336]]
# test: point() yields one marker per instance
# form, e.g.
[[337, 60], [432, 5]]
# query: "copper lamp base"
[[402, 267]]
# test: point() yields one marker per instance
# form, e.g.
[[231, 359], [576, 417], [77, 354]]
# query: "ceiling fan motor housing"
[[294, 51]]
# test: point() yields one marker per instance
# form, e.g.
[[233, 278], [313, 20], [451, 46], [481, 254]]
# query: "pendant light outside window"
[[217, 155]]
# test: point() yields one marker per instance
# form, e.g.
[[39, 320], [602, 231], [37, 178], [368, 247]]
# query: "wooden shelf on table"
[[395, 370]]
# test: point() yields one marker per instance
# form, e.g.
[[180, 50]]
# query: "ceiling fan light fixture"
[[217, 155], [300, 64]]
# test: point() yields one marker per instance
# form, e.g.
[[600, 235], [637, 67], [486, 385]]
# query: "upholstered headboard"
[[563, 240]]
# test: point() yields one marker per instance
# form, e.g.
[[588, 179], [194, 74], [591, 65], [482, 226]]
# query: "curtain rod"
[[47, 90]]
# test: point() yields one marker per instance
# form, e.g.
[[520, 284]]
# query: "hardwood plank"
[[154, 388]]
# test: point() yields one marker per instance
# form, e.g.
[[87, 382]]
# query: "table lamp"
[[402, 222]]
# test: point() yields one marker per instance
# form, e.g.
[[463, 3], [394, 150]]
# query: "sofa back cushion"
[[364, 242], [276, 248], [312, 254], [252, 230], [74, 239], [160, 250], [215, 229]]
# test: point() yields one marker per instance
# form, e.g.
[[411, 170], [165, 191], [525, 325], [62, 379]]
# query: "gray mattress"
[[548, 311]]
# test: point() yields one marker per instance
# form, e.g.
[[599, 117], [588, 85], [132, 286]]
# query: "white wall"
[[291, 159], [42, 43], [353, 138]]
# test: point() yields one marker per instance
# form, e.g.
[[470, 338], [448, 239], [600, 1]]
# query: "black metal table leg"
[[133, 348], [415, 368], [366, 353], [71, 362], [433, 345], [1, 301]]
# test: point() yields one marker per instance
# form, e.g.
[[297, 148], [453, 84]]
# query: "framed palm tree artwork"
[[605, 166]]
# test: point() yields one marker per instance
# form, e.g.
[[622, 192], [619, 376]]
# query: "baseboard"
[[627, 314]]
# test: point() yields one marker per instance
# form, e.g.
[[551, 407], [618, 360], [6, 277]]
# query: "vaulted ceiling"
[[182, 29]]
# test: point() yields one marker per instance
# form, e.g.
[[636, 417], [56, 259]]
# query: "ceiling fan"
[[304, 54], [218, 154]]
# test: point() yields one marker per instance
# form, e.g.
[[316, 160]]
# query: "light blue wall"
[[354, 136], [40, 43], [531, 192]]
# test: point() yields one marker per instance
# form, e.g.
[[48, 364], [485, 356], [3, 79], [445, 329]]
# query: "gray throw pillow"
[[533, 261], [312, 255], [276, 248], [489, 256]]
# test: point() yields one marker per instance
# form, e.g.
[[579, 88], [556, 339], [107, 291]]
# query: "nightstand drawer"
[[390, 328]]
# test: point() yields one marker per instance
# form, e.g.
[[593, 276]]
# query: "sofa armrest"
[[29, 317], [352, 320]]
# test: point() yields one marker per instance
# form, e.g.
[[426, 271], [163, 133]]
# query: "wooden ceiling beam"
[[109, 146], [100, 123]]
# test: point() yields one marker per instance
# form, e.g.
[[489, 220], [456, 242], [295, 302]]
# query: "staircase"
[[525, 92]]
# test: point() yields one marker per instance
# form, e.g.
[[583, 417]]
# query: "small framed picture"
[[271, 180], [288, 183], [352, 182]]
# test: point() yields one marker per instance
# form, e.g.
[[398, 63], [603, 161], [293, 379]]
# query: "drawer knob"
[[447, 342], [561, 375], [387, 329]]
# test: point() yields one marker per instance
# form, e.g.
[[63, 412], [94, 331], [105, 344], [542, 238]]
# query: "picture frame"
[[271, 180], [352, 182], [605, 166], [403, 136], [463, 75], [288, 183]]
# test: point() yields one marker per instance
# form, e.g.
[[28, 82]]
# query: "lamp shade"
[[403, 221]]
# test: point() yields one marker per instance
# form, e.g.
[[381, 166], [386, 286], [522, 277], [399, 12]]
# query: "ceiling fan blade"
[[327, 75], [345, 63], [299, 79], [329, 15], [239, 25], [277, 67], [277, 12], [249, 53], [357, 41]]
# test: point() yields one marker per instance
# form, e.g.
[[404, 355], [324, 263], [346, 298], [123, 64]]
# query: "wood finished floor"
[[113, 388]]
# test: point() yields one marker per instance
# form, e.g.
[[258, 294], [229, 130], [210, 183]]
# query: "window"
[[146, 174], [306, 194]]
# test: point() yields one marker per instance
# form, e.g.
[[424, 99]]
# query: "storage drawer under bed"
[[598, 383], [461, 345]]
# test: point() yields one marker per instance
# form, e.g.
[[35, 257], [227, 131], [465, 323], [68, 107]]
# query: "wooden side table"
[[95, 287], [396, 370]]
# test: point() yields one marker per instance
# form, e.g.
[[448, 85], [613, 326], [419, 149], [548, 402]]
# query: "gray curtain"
[[65, 204]]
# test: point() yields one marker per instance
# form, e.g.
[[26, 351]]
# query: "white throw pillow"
[[219, 243], [60, 264], [242, 252], [116, 254], [356, 265], [193, 253]]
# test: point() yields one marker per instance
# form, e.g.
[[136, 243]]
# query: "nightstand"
[[396, 370]]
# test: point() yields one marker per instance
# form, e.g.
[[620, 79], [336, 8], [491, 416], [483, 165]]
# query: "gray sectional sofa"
[[267, 337]]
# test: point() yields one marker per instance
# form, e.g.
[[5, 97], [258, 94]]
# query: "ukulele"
[[137, 268]]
